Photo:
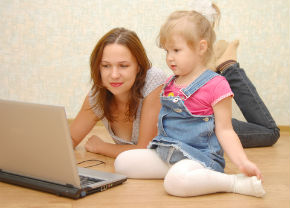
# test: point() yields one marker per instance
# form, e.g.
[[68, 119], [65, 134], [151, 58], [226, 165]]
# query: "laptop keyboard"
[[86, 181]]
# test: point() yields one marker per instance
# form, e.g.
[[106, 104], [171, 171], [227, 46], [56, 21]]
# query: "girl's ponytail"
[[208, 9], [216, 16]]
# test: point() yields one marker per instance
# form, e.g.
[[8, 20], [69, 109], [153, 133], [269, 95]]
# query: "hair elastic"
[[205, 8]]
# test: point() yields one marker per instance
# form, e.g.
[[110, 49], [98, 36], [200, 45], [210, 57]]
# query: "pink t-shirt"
[[202, 101]]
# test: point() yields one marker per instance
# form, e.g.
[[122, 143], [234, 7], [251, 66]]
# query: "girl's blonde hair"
[[192, 26]]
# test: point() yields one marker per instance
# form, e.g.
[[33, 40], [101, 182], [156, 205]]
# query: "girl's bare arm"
[[229, 139]]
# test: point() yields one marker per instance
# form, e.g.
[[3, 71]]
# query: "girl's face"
[[183, 60], [118, 69]]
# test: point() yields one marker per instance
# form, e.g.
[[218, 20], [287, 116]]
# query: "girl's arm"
[[149, 118], [83, 123], [229, 139], [147, 129]]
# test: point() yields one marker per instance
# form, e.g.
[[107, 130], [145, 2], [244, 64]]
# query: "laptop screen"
[[35, 142]]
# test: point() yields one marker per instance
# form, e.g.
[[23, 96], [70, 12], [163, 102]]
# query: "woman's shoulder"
[[156, 73], [154, 78], [93, 103]]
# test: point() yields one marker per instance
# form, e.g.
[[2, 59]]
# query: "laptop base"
[[57, 189], [53, 188]]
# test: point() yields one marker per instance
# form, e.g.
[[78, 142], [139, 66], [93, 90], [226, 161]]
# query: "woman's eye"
[[176, 50], [124, 66], [105, 65]]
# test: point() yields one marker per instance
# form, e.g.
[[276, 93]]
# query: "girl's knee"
[[122, 162], [182, 178], [175, 183], [140, 163], [125, 161], [175, 180]]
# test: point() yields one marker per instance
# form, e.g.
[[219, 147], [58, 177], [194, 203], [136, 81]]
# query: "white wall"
[[46, 44]]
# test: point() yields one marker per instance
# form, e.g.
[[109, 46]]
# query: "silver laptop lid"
[[35, 142]]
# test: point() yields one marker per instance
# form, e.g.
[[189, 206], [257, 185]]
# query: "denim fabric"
[[192, 135], [260, 129], [170, 154]]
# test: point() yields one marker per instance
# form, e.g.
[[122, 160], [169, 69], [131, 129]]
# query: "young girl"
[[194, 124]]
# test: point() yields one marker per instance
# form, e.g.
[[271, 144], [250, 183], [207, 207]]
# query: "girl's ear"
[[202, 47]]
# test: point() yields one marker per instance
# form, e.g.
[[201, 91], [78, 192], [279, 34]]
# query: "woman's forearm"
[[113, 150]]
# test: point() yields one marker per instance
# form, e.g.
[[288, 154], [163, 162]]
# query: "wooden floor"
[[273, 162]]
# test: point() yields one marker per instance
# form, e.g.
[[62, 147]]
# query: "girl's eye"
[[176, 50]]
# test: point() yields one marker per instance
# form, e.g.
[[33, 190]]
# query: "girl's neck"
[[183, 81]]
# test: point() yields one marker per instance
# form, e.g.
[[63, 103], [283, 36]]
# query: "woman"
[[125, 95]]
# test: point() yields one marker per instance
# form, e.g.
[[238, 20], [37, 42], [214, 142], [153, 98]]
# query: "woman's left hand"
[[94, 144]]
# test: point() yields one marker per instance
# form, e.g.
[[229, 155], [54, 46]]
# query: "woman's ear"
[[202, 47]]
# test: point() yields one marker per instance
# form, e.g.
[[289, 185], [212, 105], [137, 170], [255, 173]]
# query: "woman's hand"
[[250, 169], [94, 144]]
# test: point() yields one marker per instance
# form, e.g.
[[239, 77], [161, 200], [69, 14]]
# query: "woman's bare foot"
[[219, 48], [230, 53]]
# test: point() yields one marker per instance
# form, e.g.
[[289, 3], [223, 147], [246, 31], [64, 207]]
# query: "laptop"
[[36, 151]]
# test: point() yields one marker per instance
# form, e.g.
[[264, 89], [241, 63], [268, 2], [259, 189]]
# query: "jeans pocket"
[[206, 127]]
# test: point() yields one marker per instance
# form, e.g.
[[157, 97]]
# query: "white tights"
[[186, 177]]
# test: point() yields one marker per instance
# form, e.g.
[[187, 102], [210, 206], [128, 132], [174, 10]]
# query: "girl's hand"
[[94, 144], [250, 169]]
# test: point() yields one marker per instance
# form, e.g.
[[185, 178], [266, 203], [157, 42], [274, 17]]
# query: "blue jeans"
[[260, 130]]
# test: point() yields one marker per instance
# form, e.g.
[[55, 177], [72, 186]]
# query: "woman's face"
[[118, 69]]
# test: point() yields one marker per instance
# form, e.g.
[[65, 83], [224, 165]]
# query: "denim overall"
[[183, 135]]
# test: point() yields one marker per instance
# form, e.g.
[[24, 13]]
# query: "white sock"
[[248, 185]]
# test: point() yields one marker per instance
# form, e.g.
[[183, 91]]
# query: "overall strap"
[[199, 82]]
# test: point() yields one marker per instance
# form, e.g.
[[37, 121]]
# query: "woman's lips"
[[116, 84]]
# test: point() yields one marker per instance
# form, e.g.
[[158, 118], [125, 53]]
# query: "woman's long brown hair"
[[104, 97]]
